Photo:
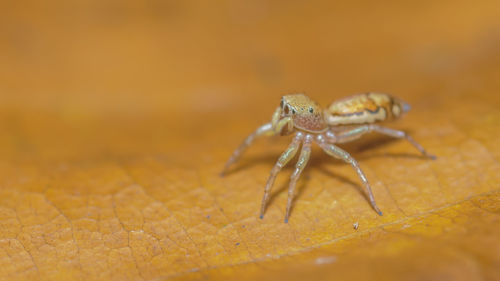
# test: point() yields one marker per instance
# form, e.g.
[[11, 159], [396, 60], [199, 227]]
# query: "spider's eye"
[[293, 111], [311, 109], [281, 103]]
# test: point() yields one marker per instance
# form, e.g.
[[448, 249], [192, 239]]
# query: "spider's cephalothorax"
[[304, 113], [344, 120]]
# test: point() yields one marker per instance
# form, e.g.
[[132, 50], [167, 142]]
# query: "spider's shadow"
[[356, 149], [243, 164], [305, 177], [319, 161], [300, 184]]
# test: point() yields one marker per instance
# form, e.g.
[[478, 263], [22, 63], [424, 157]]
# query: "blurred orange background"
[[90, 89], [199, 56]]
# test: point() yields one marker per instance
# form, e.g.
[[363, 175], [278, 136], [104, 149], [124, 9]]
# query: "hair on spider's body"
[[343, 121]]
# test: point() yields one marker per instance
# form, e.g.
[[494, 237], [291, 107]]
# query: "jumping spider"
[[343, 121]]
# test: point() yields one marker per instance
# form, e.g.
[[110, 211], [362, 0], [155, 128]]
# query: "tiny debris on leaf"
[[355, 225], [325, 260]]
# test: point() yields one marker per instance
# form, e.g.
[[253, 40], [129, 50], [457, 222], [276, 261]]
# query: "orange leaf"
[[117, 121]]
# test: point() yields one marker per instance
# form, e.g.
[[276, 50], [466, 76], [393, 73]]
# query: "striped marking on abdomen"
[[360, 109]]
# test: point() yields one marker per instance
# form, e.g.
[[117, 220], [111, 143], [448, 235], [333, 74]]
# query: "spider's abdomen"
[[364, 109]]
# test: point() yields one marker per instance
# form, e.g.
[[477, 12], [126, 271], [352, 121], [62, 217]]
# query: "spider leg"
[[266, 129], [269, 129], [355, 133], [299, 167], [339, 153], [285, 157]]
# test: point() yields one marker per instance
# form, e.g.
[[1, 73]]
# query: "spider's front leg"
[[275, 127], [339, 153], [285, 157], [299, 167]]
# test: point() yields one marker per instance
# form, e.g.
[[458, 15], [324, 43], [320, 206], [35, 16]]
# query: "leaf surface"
[[115, 127]]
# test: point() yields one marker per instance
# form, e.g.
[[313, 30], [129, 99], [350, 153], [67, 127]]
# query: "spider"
[[343, 121]]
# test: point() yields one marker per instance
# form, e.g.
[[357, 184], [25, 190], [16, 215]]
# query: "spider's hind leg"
[[348, 135]]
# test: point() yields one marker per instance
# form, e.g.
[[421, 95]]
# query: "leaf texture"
[[116, 125]]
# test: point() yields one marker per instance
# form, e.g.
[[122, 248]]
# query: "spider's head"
[[305, 113]]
